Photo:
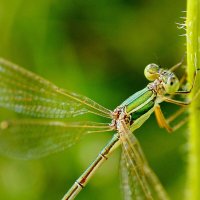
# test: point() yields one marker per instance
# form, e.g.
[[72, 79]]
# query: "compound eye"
[[151, 72], [172, 85]]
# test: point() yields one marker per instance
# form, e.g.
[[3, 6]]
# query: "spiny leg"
[[179, 102], [165, 123], [176, 114], [193, 83], [180, 124], [184, 103]]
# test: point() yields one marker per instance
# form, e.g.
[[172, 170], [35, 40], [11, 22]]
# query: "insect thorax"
[[157, 87], [120, 114]]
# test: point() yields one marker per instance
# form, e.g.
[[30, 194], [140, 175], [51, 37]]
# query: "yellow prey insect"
[[46, 130]]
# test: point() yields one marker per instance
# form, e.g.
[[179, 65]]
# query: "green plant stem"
[[193, 59]]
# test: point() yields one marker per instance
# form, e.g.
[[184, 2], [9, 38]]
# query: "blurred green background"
[[99, 49]]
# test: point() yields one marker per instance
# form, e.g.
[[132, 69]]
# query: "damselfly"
[[46, 131]]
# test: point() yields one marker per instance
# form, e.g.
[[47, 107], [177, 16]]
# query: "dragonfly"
[[44, 129]]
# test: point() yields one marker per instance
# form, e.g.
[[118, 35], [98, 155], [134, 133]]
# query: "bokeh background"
[[99, 49]]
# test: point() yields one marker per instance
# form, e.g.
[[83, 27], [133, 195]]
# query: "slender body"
[[103, 156], [45, 129], [133, 112]]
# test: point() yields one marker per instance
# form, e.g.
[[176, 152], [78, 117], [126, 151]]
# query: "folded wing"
[[138, 181]]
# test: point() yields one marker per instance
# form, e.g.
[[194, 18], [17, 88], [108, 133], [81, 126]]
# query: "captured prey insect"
[[46, 131]]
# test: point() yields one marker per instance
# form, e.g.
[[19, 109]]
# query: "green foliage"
[[193, 57]]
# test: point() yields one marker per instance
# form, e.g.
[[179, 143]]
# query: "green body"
[[137, 99], [140, 106]]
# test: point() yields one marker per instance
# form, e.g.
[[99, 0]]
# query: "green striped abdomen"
[[137, 114], [139, 103]]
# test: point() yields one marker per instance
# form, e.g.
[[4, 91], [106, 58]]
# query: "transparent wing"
[[127, 185], [138, 180], [26, 93], [34, 138]]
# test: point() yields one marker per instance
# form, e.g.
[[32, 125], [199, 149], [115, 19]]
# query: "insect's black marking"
[[79, 184]]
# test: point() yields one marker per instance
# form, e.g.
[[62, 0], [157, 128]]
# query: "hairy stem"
[[193, 63]]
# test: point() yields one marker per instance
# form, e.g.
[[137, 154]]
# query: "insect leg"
[[162, 122], [176, 66]]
